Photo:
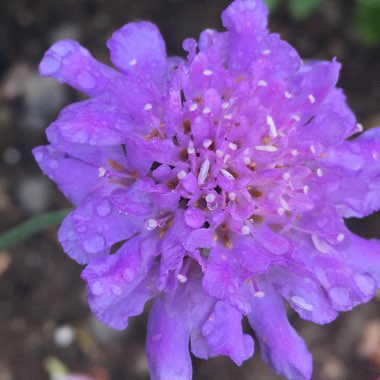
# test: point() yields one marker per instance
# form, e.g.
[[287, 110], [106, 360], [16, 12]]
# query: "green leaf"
[[301, 9], [367, 21], [272, 4], [31, 227]]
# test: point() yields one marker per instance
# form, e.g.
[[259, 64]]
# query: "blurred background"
[[46, 329]]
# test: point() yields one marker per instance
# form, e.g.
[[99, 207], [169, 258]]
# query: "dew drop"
[[97, 288], [104, 208], [94, 244], [128, 274], [340, 295], [116, 290]]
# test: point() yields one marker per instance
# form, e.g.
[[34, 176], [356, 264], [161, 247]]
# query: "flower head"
[[216, 185]]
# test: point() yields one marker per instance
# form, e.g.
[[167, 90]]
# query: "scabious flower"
[[215, 185]]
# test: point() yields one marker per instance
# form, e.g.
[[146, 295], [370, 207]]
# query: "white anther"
[[101, 172], [226, 158], [319, 172], [286, 176], [340, 237], [281, 211], [245, 230], [206, 110], [232, 196], [219, 153], [225, 105], [311, 98], [312, 149], [266, 52], [360, 127], [297, 118], [266, 148], [320, 245], [210, 198], [294, 152], [133, 62], [306, 189], [228, 116], [190, 150], [193, 107], [232, 146], [262, 83], [207, 72], [259, 294], [151, 224], [207, 143], [227, 174], [301, 303], [272, 126], [284, 204], [247, 160], [181, 174], [181, 278], [148, 107], [288, 95], [203, 172]]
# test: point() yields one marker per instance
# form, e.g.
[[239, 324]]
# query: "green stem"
[[31, 227]]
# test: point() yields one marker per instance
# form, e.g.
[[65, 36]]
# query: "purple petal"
[[224, 334], [168, 341], [69, 62], [281, 347], [119, 285], [138, 48], [75, 178]]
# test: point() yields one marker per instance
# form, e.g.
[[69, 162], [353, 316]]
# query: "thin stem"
[[31, 227]]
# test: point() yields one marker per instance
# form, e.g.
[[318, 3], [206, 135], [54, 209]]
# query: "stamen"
[[297, 118], [306, 189], [148, 107], [193, 107], [284, 204], [232, 146], [281, 211], [262, 83], [219, 153], [286, 176], [232, 196], [319, 172], [151, 224], [203, 172], [272, 126], [181, 174], [266, 52], [266, 148], [259, 294], [133, 62], [360, 127], [247, 160], [311, 98], [181, 278], [288, 95], [312, 149], [294, 152], [207, 143], [207, 72], [227, 174], [206, 110], [228, 116], [225, 105], [245, 230], [320, 245], [210, 197], [340, 237], [101, 172]]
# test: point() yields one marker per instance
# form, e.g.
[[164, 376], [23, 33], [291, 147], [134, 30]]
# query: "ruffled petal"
[[92, 228], [224, 334], [138, 48], [281, 347], [246, 22], [69, 62], [168, 341], [119, 285], [75, 178]]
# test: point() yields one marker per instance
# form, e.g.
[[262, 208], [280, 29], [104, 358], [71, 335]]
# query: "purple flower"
[[216, 185]]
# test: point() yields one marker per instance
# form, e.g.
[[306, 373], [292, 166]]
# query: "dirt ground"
[[43, 312]]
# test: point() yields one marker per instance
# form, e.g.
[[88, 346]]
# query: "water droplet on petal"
[[340, 295], [128, 274], [116, 290], [104, 208], [97, 288], [94, 244]]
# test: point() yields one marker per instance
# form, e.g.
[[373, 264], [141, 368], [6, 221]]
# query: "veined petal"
[[281, 347], [138, 48], [119, 285], [168, 342], [75, 178], [69, 62], [224, 334]]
